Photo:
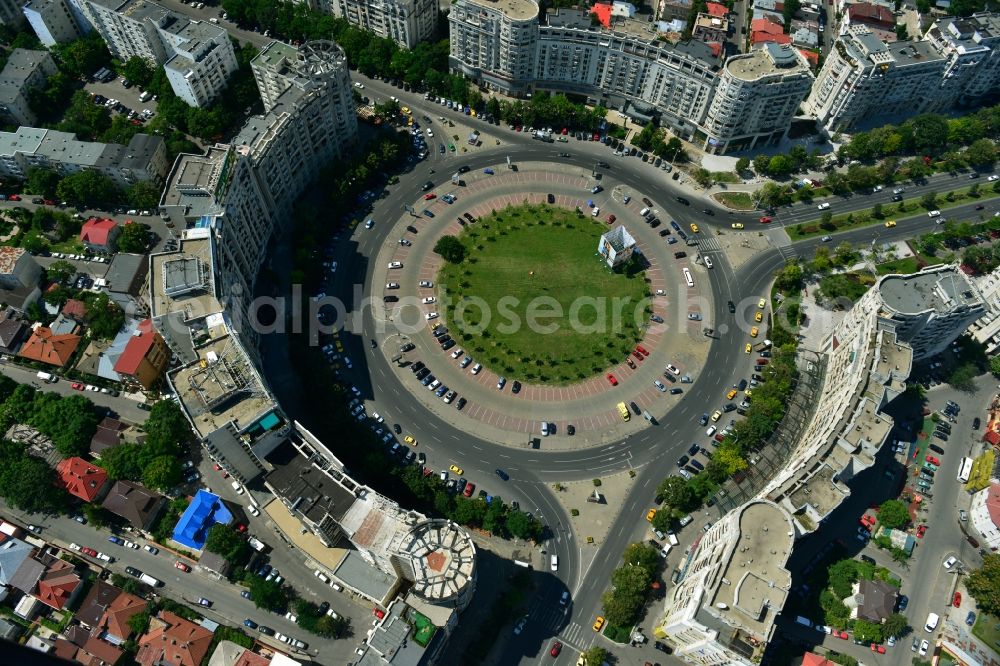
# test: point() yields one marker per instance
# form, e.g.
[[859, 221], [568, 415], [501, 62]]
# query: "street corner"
[[593, 504], [740, 247]]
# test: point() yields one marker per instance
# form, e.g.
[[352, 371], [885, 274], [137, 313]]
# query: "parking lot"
[[115, 90]]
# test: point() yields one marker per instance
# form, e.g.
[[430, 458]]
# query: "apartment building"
[[406, 22], [143, 159], [971, 48], [722, 611], [55, 21], [494, 43], [25, 69], [10, 14], [757, 97], [198, 57]]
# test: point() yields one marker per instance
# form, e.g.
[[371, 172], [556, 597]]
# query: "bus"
[[623, 411], [964, 470], [687, 277]]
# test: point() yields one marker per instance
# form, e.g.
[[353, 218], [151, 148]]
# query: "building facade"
[[55, 21], [143, 159], [746, 101], [198, 57], [24, 71], [984, 515], [10, 13], [406, 22]]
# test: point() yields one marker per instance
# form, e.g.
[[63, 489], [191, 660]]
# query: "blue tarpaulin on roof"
[[204, 511]]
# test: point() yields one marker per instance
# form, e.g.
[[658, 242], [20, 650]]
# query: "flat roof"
[[443, 557], [195, 181], [168, 271], [275, 54], [939, 290], [364, 577], [519, 10], [766, 61]]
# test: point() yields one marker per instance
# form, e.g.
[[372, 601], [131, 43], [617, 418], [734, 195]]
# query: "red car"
[[88, 551], [378, 612], [762, 361], [429, 196], [556, 649], [182, 566], [920, 531], [878, 648], [611, 219], [611, 378], [637, 354], [841, 635], [597, 137], [765, 220], [957, 601], [14, 197], [719, 437], [76, 386], [934, 461], [642, 350], [48, 202], [469, 489], [565, 131]]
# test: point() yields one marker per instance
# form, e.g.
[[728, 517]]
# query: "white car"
[[924, 646], [476, 368], [823, 206], [73, 546], [152, 550], [370, 223], [711, 431], [672, 369], [994, 177], [395, 264], [431, 315], [392, 285], [237, 487], [898, 190], [427, 300], [253, 511], [708, 262], [596, 211], [950, 562], [458, 352], [378, 417], [934, 213], [426, 283]]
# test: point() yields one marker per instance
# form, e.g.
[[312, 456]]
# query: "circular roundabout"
[[527, 329]]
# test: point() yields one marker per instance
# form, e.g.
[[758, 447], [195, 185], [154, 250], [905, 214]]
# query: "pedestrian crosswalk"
[[552, 619], [709, 244]]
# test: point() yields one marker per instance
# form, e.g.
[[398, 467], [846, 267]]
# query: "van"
[[806, 622], [644, 212], [337, 587], [322, 576], [149, 580], [146, 96], [623, 411], [932, 622], [672, 538], [48, 378], [554, 563]]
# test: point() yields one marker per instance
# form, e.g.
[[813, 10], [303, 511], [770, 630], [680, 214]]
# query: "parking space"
[[128, 97]]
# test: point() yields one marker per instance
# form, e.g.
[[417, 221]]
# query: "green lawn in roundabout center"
[[540, 260]]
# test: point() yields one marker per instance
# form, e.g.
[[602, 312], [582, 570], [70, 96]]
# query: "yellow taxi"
[[694, 228], [598, 623], [405, 110], [890, 223], [736, 225], [409, 440], [761, 303], [748, 393], [716, 415], [340, 347], [754, 332], [457, 470], [650, 514], [759, 316], [731, 394], [748, 348]]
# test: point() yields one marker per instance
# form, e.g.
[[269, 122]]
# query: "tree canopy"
[[104, 317], [133, 238], [893, 513], [984, 584], [227, 542], [450, 249]]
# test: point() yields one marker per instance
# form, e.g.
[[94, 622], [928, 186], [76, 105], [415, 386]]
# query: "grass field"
[[987, 629], [736, 200], [540, 263]]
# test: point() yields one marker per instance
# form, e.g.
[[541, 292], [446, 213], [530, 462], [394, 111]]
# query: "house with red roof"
[[115, 619], [59, 584], [173, 640], [984, 515], [813, 659], [880, 20], [75, 309], [99, 235], [717, 10], [763, 30], [145, 357], [603, 13], [82, 479], [46, 347]]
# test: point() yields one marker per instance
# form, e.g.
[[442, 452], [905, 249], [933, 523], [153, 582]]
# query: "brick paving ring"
[[590, 405]]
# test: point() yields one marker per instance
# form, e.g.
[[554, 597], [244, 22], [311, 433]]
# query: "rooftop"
[[195, 182], [938, 290], [768, 60], [21, 64], [518, 10], [753, 584], [181, 281], [443, 557], [9, 256]]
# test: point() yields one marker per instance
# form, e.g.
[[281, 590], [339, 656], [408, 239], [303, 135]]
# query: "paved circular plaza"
[[590, 405]]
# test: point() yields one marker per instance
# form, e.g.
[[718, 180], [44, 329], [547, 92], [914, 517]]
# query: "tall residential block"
[[198, 57], [55, 21], [494, 43], [25, 70], [406, 22]]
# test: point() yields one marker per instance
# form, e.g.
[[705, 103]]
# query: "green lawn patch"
[[735, 200], [533, 300], [987, 629], [617, 634], [725, 177], [845, 285], [904, 266]]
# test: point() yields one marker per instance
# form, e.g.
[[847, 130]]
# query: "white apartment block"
[[733, 586], [984, 514], [143, 159], [749, 101], [55, 21], [25, 70], [406, 22], [956, 64], [757, 97], [198, 57], [247, 188]]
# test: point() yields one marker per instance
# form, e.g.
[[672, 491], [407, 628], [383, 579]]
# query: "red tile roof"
[[44, 347], [993, 503], [766, 25], [603, 13], [249, 658], [715, 9], [758, 37], [81, 479], [992, 437], [76, 309], [97, 232], [57, 584], [716, 48], [868, 14], [811, 57], [119, 612], [136, 349], [173, 640], [811, 659]]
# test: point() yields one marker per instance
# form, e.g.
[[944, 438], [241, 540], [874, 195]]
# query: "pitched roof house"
[[173, 640], [145, 356], [81, 479], [140, 506], [59, 584], [107, 436], [13, 553], [98, 599], [119, 612], [875, 600], [99, 234], [45, 347]]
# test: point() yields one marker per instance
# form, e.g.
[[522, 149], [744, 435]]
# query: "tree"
[[138, 71], [84, 56], [143, 194], [450, 249], [982, 153], [869, 632], [742, 165], [70, 422], [642, 555], [675, 492], [963, 377], [28, 483], [595, 656], [877, 211], [521, 526], [167, 430], [104, 316], [929, 200], [266, 594], [133, 238], [703, 177], [123, 462], [995, 365], [89, 188], [984, 584], [894, 514], [42, 182], [227, 542], [60, 271], [789, 279], [162, 473]]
